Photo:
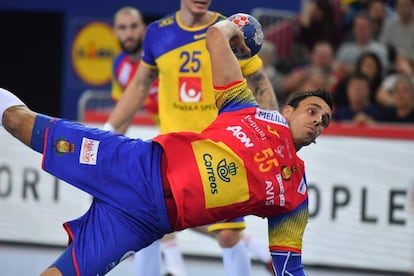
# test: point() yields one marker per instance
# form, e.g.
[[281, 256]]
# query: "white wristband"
[[108, 127], [7, 99]]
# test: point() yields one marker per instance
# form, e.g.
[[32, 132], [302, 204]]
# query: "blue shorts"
[[128, 210]]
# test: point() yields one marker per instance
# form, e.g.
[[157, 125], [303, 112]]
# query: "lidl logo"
[[93, 50]]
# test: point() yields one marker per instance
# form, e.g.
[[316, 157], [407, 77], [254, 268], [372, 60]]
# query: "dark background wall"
[[31, 57], [36, 40]]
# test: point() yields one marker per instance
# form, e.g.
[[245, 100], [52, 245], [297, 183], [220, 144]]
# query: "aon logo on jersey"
[[240, 135]]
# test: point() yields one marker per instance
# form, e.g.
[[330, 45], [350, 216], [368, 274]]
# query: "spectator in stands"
[[398, 31], [392, 59], [377, 11], [368, 64], [320, 71], [349, 9], [349, 52], [317, 23], [403, 94], [268, 54], [404, 65], [360, 109], [315, 79]]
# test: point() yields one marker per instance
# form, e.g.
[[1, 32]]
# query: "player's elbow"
[[18, 121]]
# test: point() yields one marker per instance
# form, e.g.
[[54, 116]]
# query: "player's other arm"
[[221, 37], [285, 241], [133, 97], [263, 90], [225, 62]]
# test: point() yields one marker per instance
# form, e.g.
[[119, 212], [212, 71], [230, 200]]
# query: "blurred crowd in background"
[[361, 51]]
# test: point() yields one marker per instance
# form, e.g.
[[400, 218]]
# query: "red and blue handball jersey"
[[244, 163], [123, 71]]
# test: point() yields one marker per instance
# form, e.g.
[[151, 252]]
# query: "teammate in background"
[[129, 28], [156, 195], [174, 51]]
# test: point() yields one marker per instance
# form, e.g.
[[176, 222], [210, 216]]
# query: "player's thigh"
[[106, 235]]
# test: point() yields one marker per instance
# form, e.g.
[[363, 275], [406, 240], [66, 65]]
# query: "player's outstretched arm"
[[16, 117], [221, 38]]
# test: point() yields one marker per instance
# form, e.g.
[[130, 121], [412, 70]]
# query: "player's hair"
[[127, 9], [297, 97]]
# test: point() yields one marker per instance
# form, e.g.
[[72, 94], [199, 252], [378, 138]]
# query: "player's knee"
[[228, 238], [51, 271], [9, 118], [168, 237]]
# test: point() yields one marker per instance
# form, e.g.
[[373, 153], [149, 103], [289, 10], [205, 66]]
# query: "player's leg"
[[52, 271], [103, 237], [236, 259], [259, 249], [173, 258], [122, 218], [147, 261], [112, 228]]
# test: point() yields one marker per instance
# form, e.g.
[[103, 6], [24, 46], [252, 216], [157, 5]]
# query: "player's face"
[[196, 7], [307, 120], [129, 29]]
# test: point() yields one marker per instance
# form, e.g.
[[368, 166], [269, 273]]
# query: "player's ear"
[[287, 111]]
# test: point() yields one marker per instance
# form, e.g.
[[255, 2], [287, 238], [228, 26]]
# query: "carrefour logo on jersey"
[[223, 174], [93, 50]]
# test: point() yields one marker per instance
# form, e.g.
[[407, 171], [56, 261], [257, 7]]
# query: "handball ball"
[[252, 31]]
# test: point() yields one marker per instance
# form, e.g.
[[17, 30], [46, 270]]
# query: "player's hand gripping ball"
[[252, 31]]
